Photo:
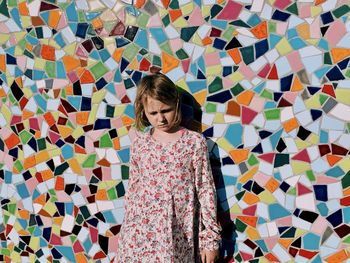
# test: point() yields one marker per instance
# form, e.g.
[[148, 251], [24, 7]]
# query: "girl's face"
[[160, 115]]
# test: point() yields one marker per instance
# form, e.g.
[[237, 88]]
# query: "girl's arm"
[[209, 237]]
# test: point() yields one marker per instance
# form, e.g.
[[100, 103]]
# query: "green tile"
[[90, 161], [228, 34], [98, 70], [345, 181], [157, 61], [327, 59], [4, 9], [216, 85], [273, 114], [311, 175], [181, 54], [272, 27], [347, 73], [210, 107], [166, 20], [79, 219], [292, 191], [237, 89], [247, 54], [323, 98], [125, 172], [166, 48], [12, 208], [105, 141], [142, 20], [240, 195], [293, 8], [240, 226], [131, 51], [25, 136], [50, 69], [347, 240], [111, 194], [281, 159], [266, 94], [18, 165], [252, 160], [41, 144], [340, 11]]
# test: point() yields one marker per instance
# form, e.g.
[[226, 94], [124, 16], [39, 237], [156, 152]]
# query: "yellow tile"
[[206, 10], [266, 197], [80, 157], [312, 41], [214, 70], [27, 92], [26, 21], [283, 47], [129, 19], [302, 144], [93, 112], [224, 144], [343, 95], [187, 9], [219, 118], [313, 102], [5, 111], [252, 233], [34, 243], [299, 232], [182, 85], [119, 110], [196, 40], [236, 77], [54, 152], [122, 131], [345, 164], [15, 257], [180, 22], [91, 62], [98, 96], [313, 138], [299, 167], [316, 10], [248, 175], [4, 38], [108, 184], [39, 63], [50, 208], [78, 132], [235, 209], [70, 49], [56, 227]]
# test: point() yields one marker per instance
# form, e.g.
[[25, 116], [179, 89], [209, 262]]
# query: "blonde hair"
[[159, 87]]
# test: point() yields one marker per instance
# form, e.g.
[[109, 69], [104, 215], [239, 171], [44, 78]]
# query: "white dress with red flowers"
[[170, 204]]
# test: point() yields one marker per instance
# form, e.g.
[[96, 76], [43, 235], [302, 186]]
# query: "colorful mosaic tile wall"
[[272, 79]]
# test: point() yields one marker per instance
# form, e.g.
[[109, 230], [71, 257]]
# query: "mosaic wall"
[[271, 79]]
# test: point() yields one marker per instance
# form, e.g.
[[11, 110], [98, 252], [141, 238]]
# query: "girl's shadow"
[[192, 119]]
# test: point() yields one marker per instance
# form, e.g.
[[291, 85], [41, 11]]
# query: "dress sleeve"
[[209, 237], [133, 175]]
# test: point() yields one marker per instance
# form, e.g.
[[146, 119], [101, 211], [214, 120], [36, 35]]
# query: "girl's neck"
[[167, 136]]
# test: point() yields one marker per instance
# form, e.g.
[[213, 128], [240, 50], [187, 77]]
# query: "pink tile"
[[319, 226], [335, 32], [315, 31], [261, 178], [246, 71], [212, 59], [155, 21], [294, 61], [304, 11], [281, 28], [196, 18]]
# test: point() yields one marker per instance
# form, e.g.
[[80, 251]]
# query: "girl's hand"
[[209, 256]]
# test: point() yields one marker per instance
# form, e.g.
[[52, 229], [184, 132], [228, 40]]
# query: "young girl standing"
[[170, 204]]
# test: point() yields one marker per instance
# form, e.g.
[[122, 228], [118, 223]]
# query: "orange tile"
[[285, 242], [250, 198], [233, 108], [69, 90], [116, 144], [260, 31], [168, 62], [2, 63], [78, 149], [245, 97], [86, 77], [2, 93], [271, 258], [49, 118], [70, 63], [290, 125], [201, 97], [174, 14], [239, 155], [297, 85], [117, 54], [249, 220], [41, 199], [19, 82], [339, 54], [42, 156], [243, 179], [333, 159], [235, 55], [82, 117], [97, 23], [29, 162], [166, 3], [207, 41], [346, 191], [304, 31], [23, 214], [59, 184], [75, 166], [272, 185], [80, 257], [54, 18], [48, 52], [340, 256], [318, 2], [101, 194], [127, 120], [47, 175], [23, 9], [12, 141], [139, 3], [65, 131]]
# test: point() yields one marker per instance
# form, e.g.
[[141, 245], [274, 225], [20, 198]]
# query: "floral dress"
[[170, 204]]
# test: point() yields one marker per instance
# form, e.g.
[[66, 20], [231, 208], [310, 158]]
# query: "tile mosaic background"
[[272, 79]]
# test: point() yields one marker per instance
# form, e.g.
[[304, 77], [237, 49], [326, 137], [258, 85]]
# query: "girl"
[[170, 204]]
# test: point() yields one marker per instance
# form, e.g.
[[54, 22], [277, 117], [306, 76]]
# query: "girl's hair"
[[158, 87]]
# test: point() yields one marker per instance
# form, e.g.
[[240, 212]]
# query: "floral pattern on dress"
[[170, 204]]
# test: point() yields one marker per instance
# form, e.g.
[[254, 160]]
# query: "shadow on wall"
[[192, 119]]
